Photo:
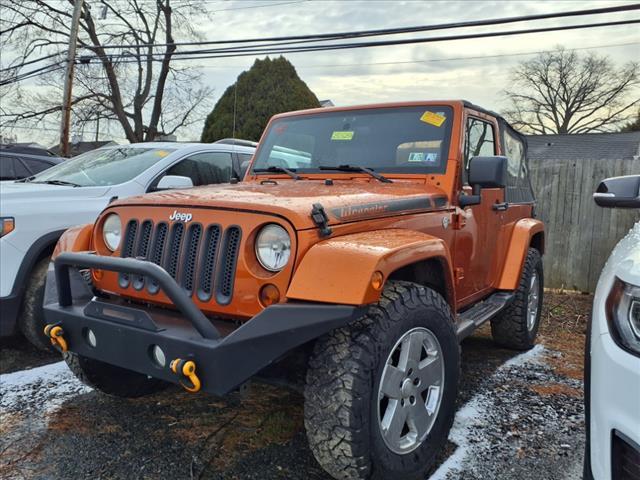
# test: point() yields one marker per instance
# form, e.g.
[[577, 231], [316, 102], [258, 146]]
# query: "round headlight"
[[273, 247], [112, 231]]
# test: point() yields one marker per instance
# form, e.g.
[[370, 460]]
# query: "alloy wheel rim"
[[411, 390], [533, 302]]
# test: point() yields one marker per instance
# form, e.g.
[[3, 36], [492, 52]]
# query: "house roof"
[[587, 146]]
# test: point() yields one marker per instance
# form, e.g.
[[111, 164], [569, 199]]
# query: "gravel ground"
[[519, 417]]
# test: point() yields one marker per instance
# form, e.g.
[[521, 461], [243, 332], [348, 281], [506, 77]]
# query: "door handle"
[[500, 207]]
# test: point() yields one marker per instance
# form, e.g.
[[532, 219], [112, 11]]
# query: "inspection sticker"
[[342, 136], [433, 118]]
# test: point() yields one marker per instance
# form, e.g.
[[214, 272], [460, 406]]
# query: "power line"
[[243, 51], [435, 60], [257, 6], [370, 33], [400, 30], [32, 73], [262, 50], [30, 62]]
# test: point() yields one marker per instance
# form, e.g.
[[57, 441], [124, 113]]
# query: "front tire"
[[112, 380], [380, 393], [31, 322], [517, 325]]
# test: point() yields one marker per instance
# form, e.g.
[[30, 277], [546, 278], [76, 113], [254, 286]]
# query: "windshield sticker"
[[416, 157], [433, 118], [342, 136], [162, 153]]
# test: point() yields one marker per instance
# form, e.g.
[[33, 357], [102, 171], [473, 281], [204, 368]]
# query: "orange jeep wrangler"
[[368, 240]]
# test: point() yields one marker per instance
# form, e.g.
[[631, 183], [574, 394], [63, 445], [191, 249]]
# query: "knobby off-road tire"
[[342, 407], [31, 321], [112, 380], [514, 327]]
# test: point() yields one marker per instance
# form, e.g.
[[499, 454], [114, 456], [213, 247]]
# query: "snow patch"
[[471, 415], [466, 418], [41, 389]]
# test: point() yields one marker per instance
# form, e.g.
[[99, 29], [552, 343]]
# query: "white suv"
[[35, 211], [612, 353]]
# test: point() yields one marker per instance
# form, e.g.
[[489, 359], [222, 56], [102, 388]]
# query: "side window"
[[479, 141], [7, 171], [518, 182], [21, 170], [245, 160], [204, 168], [35, 166]]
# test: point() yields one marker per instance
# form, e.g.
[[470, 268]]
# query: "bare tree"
[[561, 92], [137, 86]]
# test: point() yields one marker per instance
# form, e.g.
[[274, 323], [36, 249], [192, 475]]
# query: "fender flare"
[[32, 256], [344, 266], [75, 239], [521, 239]]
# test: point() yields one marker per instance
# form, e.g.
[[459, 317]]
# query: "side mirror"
[[484, 172], [619, 192], [174, 181]]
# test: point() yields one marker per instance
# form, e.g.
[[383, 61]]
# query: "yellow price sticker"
[[342, 136], [433, 118]]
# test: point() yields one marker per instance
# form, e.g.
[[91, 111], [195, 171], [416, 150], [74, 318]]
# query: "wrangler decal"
[[366, 210]]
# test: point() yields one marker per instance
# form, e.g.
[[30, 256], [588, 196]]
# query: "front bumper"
[[614, 402], [125, 334]]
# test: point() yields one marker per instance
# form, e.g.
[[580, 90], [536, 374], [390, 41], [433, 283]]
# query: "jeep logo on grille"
[[180, 216]]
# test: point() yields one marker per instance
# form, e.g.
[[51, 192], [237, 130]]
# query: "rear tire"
[[31, 321], [517, 325], [349, 415], [112, 380]]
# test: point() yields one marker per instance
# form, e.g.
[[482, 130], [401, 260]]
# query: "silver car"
[[36, 210]]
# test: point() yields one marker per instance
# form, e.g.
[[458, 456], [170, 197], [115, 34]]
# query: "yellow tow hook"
[[55, 334], [186, 368]]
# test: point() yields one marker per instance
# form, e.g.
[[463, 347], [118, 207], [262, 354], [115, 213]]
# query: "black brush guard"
[[125, 333]]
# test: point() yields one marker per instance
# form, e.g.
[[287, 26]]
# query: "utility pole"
[[68, 80]]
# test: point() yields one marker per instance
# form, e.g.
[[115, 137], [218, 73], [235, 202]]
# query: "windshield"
[[401, 140], [103, 167]]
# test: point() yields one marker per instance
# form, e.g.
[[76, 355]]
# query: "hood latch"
[[320, 218]]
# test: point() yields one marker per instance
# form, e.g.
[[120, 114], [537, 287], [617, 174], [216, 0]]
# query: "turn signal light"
[[269, 294], [7, 225], [377, 280]]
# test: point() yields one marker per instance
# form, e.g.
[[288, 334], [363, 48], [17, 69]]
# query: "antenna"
[[233, 133], [235, 103]]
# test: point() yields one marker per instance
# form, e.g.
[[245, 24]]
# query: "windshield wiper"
[[63, 183], [275, 169], [26, 179], [356, 168]]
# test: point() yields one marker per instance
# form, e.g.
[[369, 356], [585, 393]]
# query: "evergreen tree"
[[267, 88], [633, 126]]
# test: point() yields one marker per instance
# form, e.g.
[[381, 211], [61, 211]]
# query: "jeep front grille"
[[208, 264], [202, 259]]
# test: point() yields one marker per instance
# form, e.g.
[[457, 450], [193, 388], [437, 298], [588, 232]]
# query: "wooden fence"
[[579, 234]]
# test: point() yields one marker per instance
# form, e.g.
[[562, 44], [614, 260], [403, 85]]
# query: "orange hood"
[[344, 201]]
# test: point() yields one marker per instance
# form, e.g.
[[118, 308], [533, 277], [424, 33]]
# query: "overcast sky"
[[430, 71]]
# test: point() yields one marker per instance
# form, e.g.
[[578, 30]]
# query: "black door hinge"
[[320, 218]]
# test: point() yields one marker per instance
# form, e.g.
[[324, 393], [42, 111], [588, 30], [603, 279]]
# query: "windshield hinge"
[[320, 218]]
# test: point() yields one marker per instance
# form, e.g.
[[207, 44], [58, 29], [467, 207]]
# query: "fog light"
[[90, 337], [269, 294], [158, 356]]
